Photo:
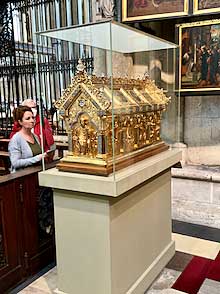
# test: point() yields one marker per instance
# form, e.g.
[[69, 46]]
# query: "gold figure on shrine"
[[84, 137]]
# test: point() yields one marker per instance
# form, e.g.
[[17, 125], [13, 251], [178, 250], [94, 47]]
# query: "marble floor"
[[196, 231], [47, 283], [186, 248], [43, 285], [196, 246]]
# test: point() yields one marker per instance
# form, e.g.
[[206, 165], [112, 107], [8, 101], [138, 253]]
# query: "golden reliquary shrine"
[[110, 128]]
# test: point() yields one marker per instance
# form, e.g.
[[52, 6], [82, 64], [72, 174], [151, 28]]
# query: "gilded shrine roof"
[[135, 95]]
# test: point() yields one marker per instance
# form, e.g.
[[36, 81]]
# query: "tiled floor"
[[196, 246], [210, 287], [199, 238], [45, 284], [186, 248], [195, 230]]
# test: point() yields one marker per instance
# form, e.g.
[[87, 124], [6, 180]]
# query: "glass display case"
[[124, 107]]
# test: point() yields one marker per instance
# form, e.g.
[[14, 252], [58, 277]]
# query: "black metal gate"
[[57, 60]]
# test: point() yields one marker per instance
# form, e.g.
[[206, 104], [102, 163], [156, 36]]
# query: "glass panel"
[[43, 121], [98, 35], [143, 83]]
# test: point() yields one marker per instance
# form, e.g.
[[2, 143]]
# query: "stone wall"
[[196, 195], [201, 131]]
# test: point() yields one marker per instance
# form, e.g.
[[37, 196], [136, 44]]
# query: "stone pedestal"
[[113, 234]]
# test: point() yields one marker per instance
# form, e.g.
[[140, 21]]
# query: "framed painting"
[[206, 6], [199, 56], [151, 9]]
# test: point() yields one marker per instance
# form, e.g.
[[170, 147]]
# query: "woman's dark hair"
[[18, 112]]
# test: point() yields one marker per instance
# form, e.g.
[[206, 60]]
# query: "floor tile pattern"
[[210, 287], [196, 246], [173, 272], [195, 230], [164, 282]]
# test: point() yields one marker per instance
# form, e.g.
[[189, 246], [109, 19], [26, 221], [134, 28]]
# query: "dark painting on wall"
[[199, 63], [149, 9], [206, 6]]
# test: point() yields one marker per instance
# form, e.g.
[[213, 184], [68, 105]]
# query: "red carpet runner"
[[214, 271], [196, 272]]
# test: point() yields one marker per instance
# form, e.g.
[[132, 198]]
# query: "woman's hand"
[[44, 155], [50, 155]]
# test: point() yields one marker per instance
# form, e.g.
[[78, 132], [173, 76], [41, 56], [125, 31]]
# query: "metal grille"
[[6, 31], [19, 20]]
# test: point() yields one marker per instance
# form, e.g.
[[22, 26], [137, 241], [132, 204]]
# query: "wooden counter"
[[25, 246], [4, 144]]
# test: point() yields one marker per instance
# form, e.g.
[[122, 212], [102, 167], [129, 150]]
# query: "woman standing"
[[48, 140], [24, 148]]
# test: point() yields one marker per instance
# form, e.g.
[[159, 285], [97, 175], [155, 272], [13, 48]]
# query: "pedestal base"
[[113, 245]]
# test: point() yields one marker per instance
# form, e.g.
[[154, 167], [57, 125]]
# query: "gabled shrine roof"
[[126, 92]]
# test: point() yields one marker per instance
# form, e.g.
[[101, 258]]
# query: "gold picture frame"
[[151, 9], [199, 56], [207, 6]]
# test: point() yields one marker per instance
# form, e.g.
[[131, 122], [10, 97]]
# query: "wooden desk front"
[[24, 249]]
